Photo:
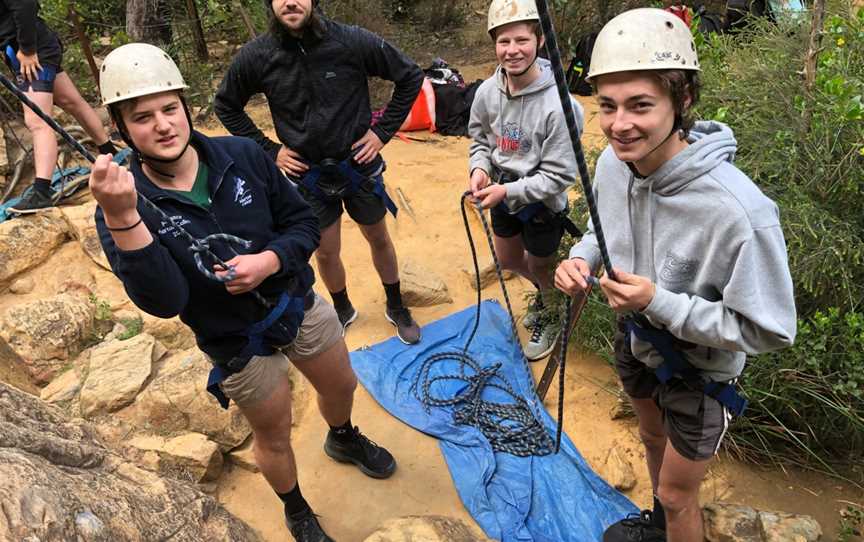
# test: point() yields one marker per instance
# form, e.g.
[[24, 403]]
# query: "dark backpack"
[[579, 65]]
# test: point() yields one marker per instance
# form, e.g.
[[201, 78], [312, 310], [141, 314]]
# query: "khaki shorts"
[[319, 331]]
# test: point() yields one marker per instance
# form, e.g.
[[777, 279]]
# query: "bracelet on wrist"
[[125, 228]]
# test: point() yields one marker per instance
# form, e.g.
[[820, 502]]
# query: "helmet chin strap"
[[533, 61], [149, 160], [675, 129]]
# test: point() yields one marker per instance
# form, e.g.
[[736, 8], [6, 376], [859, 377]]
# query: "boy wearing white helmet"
[[701, 276], [207, 188], [521, 160]]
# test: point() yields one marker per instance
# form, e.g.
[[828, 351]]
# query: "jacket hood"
[[544, 81], [711, 143]]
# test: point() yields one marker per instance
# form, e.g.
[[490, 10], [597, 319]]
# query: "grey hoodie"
[[710, 240], [524, 135]]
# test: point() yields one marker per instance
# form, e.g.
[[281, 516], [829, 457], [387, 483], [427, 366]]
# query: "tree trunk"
[[818, 15], [247, 21], [197, 31], [84, 41], [148, 21]]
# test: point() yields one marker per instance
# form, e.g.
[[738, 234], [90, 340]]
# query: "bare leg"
[[331, 375], [329, 261], [678, 491], [653, 436], [542, 269], [511, 256], [383, 251], [67, 97], [44, 139]]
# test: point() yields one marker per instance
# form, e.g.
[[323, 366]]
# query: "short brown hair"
[[535, 28], [681, 84]]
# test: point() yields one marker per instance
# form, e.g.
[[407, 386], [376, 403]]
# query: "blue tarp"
[[552, 498]]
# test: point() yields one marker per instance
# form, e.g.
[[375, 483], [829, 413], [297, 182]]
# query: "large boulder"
[[63, 388], [83, 227], [171, 332], [47, 333], [421, 287], [425, 529], [27, 241], [117, 372], [188, 457], [176, 401], [735, 523], [60, 483]]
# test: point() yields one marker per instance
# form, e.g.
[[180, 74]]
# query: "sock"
[[658, 516], [394, 295], [344, 432], [294, 502], [43, 186], [340, 299], [107, 148]]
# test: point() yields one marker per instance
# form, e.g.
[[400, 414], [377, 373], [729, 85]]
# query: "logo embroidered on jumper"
[[167, 227], [329, 75], [677, 269], [513, 139], [242, 195]]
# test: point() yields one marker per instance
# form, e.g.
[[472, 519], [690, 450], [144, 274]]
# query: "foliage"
[[851, 524], [133, 327], [103, 308]]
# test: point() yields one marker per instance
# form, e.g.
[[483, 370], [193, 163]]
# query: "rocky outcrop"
[[48, 332], [421, 287], [83, 228], [171, 332], [244, 456], [60, 483], [63, 388], [26, 241], [734, 523], [190, 457], [425, 529], [176, 402], [117, 372]]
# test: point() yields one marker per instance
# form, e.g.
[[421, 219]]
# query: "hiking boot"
[[542, 341], [32, 201], [347, 316], [371, 459], [304, 527], [406, 328], [635, 528]]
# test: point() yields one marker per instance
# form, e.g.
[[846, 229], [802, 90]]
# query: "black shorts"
[[50, 51], [541, 235], [694, 422], [363, 205]]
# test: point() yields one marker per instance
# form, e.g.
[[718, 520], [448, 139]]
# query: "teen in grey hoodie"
[[700, 265], [521, 160]]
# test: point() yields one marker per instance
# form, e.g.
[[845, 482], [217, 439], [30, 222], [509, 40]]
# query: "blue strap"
[[526, 213], [255, 345], [676, 364], [356, 180]]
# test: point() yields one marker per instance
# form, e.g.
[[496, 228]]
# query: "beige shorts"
[[319, 331]]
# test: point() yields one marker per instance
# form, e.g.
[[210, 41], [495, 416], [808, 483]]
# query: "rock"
[[62, 388], [118, 370], [176, 401], [244, 457], [617, 469], [487, 275], [622, 409], [48, 332], [735, 523], [26, 241], [60, 483], [191, 456], [425, 529], [171, 332], [83, 227], [421, 287], [22, 286]]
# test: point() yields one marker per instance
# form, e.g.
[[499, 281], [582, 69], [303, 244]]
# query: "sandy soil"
[[432, 174]]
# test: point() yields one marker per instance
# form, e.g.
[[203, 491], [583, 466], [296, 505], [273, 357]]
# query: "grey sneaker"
[[406, 327], [533, 313], [542, 341], [32, 202]]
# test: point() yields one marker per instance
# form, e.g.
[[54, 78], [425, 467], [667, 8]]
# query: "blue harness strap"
[[527, 212], [255, 346], [356, 182], [675, 363]]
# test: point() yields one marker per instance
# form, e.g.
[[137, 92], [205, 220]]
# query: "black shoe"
[[347, 316], [406, 328], [304, 527], [371, 459], [32, 202], [635, 528]]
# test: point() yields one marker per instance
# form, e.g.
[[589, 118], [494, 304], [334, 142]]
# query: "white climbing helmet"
[[137, 69], [503, 12], [643, 39]]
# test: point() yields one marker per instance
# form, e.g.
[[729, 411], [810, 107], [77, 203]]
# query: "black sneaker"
[[635, 528], [304, 527], [406, 328], [371, 459], [32, 202], [347, 316]]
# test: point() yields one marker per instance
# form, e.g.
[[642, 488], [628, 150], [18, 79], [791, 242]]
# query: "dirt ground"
[[432, 174]]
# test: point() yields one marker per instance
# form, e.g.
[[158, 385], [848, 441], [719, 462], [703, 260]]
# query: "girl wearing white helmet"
[[212, 187], [521, 160], [701, 276]]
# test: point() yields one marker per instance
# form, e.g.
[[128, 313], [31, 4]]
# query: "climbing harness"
[[511, 427], [288, 306], [527, 213], [333, 179]]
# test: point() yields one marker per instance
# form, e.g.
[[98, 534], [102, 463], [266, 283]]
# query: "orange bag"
[[422, 115]]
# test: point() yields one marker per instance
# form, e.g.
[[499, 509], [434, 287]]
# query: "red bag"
[[422, 115]]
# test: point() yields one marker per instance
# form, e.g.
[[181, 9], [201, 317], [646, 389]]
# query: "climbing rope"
[[198, 247], [510, 427]]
